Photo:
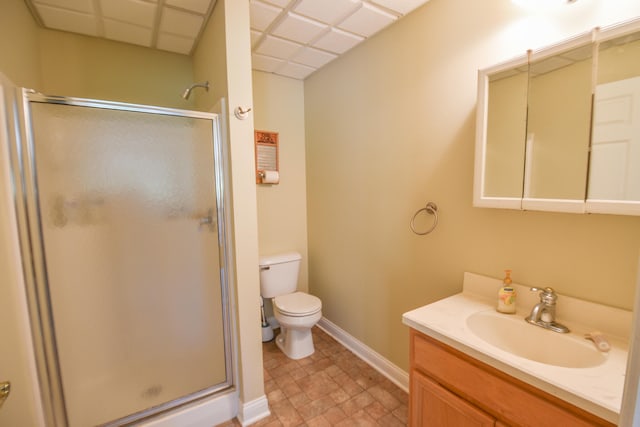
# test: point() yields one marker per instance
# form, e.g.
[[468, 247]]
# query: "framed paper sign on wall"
[[266, 149]]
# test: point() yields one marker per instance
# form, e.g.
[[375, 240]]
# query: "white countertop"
[[595, 389]]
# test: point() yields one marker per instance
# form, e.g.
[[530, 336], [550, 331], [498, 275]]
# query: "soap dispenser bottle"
[[507, 295]]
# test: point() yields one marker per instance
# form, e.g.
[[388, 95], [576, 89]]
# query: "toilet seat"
[[297, 304]]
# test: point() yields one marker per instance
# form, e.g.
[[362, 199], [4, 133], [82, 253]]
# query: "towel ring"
[[432, 209]]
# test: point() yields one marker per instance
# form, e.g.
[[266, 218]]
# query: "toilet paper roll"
[[270, 177]]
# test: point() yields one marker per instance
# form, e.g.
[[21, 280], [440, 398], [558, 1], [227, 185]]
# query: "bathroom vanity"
[[449, 388], [472, 366]]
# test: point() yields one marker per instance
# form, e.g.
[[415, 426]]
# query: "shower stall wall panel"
[[128, 221]]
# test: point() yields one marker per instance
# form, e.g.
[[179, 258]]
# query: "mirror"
[[506, 129], [500, 134], [558, 124], [559, 129], [614, 172]]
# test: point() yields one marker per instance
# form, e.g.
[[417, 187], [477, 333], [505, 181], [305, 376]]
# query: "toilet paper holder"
[[268, 177]]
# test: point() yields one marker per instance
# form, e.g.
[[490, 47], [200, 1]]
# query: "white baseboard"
[[396, 375], [251, 412]]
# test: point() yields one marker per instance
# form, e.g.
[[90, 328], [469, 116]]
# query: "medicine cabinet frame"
[[481, 197]]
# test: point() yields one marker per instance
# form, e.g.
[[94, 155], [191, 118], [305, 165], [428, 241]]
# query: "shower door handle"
[[208, 220], [5, 389]]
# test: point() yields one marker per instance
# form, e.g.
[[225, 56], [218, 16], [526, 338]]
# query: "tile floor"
[[332, 387]]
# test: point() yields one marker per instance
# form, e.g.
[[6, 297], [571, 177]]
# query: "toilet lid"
[[297, 304]]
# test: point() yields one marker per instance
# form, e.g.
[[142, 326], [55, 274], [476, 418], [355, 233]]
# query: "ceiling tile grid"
[[338, 41], [328, 11], [313, 57], [298, 28], [171, 25], [262, 15], [181, 23], [367, 21], [292, 38], [304, 35]]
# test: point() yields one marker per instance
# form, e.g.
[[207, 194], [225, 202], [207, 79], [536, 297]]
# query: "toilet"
[[296, 312]]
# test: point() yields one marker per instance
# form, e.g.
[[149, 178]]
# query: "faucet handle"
[[547, 295]]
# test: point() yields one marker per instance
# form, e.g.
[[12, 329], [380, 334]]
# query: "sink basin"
[[512, 334]]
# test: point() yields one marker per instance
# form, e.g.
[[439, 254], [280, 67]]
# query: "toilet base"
[[295, 343]]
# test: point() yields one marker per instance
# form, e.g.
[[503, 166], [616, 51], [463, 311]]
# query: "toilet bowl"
[[296, 312]]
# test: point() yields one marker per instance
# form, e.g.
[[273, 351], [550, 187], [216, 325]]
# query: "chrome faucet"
[[543, 314]]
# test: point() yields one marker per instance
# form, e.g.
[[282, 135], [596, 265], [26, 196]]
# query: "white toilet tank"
[[279, 274]]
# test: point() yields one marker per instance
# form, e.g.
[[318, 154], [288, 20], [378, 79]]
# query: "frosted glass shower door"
[[128, 218]]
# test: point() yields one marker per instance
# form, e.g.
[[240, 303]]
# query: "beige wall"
[[19, 44], [619, 62], [393, 121], [209, 62], [282, 209], [88, 67]]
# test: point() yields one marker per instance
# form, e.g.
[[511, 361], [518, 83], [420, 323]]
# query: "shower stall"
[[123, 230]]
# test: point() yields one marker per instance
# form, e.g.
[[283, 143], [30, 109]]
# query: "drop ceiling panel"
[[125, 32], [198, 6], [255, 36], [298, 28], [547, 65], [579, 54], [313, 57], [131, 11], [288, 37], [338, 41], [327, 11], [401, 6], [180, 23], [281, 3], [296, 71], [277, 48], [262, 14], [68, 20], [85, 6], [367, 21], [265, 63], [173, 43]]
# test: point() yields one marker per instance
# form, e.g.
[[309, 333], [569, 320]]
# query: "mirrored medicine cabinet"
[[558, 129]]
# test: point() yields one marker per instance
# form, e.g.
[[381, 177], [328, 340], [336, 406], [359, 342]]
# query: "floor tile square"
[[332, 387]]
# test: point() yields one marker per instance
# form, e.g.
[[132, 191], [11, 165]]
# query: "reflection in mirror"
[[506, 128], [614, 170], [558, 125]]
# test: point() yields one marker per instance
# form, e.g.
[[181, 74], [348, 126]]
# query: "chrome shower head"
[[188, 90]]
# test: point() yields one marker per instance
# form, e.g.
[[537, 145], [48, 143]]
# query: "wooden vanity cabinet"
[[434, 405], [451, 389]]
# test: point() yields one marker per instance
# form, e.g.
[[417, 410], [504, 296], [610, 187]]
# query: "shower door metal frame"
[[34, 263]]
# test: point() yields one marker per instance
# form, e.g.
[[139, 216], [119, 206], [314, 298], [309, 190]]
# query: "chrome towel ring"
[[432, 209]]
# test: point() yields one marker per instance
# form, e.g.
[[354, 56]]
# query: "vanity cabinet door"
[[442, 375], [435, 406]]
